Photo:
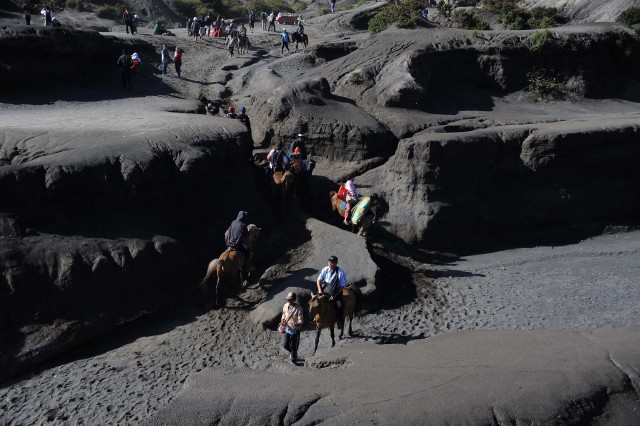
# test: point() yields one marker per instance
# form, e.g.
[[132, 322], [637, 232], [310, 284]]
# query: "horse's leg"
[[218, 289], [350, 321], [333, 338], [317, 339]]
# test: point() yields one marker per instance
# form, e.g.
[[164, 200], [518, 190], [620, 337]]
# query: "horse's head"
[[317, 305], [254, 231]]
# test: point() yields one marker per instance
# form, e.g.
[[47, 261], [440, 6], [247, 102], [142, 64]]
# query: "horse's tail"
[[212, 268], [357, 294]]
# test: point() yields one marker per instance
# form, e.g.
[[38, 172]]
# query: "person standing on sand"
[[333, 6], [285, 40], [231, 42], [177, 60], [165, 59], [272, 22], [124, 62], [292, 318], [263, 18], [127, 20], [26, 11]]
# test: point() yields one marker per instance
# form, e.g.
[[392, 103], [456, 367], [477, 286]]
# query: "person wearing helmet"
[[299, 142], [331, 281], [231, 113], [292, 319]]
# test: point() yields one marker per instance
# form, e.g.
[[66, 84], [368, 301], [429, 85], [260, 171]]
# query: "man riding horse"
[[237, 238], [331, 281]]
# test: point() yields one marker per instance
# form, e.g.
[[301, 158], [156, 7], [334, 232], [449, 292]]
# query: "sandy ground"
[[130, 376]]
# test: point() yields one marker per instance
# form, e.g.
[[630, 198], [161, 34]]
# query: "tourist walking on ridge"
[[46, 15], [263, 18], [177, 60], [165, 59], [124, 62], [333, 6], [292, 319], [127, 21], [285, 40], [272, 22], [26, 11], [252, 20]]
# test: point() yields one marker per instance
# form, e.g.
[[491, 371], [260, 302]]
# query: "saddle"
[[242, 255]]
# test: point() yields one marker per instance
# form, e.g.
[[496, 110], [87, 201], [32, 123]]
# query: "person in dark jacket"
[[299, 143], [124, 62], [237, 233]]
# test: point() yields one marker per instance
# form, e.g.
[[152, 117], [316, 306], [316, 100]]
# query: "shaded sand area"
[[454, 377]]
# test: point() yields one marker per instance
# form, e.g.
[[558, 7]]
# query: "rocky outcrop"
[[451, 190], [103, 224]]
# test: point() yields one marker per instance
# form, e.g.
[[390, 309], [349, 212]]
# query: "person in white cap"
[[331, 281], [292, 317]]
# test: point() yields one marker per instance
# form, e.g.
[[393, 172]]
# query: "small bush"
[[356, 79], [76, 5], [539, 39], [107, 11], [323, 10], [630, 16], [517, 18], [299, 6], [468, 19], [541, 86], [404, 13]]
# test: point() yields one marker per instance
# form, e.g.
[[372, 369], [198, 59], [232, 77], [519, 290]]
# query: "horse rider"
[[296, 167], [231, 113], [299, 143], [242, 32], [352, 199], [331, 281], [237, 237], [277, 159], [300, 29]]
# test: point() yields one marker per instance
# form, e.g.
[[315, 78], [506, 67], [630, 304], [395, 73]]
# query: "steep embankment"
[[580, 11]]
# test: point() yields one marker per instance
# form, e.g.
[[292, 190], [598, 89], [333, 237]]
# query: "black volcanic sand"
[[140, 373]]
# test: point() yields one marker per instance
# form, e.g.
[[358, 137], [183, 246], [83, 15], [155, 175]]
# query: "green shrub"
[[469, 19], [76, 5], [630, 16], [356, 79], [517, 18], [108, 11], [541, 86], [299, 6], [404, 13], [539, 39], [323, 10]]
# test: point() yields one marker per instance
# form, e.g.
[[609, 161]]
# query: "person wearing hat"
[[231, 112], [244, 119], [285, 40], [299, 142], [292, 317], [331, 281]]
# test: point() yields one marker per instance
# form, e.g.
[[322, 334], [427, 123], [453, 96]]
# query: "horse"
[[243, 45], [230, 265], [297, 38], [362, 227], [281, 185], [323, 312]]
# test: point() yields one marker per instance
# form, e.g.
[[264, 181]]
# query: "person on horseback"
[[352, 199], [331, 281], [292, 318], [296, 167], [242, 32], [300, 29], [277, 159], [299, 143], [237, 237]]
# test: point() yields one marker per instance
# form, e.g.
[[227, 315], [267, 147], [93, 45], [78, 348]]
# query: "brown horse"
[[323, 312], [243, 45], [281, 186], [336, 205], [230, 265]]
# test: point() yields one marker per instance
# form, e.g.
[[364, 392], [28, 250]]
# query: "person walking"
[[165, 59], [26, 11], [231, 42], [252, 20], [333, 6], [177, 60], [124, 62], [263, 18], [272, 22], [285, 40], [127, 21], [292, 319]]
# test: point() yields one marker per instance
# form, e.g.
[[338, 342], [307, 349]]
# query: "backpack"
[[276, 160]]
